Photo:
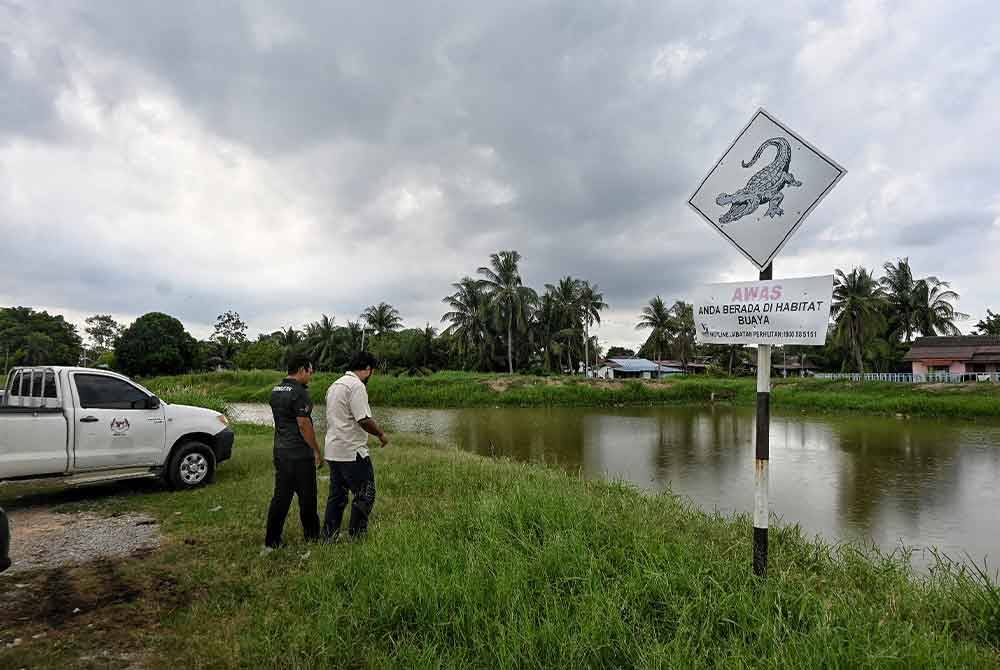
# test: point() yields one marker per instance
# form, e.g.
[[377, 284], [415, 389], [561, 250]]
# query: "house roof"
[[638, 365], [973, 348], [678, 364]]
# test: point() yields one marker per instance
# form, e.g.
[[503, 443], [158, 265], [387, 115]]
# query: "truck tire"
[[192, 465]]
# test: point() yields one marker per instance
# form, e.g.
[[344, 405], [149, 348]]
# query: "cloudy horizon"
[[287, 161]]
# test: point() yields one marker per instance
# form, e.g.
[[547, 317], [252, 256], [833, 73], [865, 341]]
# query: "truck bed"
[[44, 429]]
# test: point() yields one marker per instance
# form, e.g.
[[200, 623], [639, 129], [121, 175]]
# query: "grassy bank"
[[460, 389], [479, 563]]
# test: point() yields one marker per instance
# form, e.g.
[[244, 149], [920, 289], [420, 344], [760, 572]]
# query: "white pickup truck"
[[87, 426]]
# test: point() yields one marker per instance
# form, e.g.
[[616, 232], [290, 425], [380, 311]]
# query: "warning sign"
[[782, 311]]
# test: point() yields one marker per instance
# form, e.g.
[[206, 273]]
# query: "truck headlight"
[[223, 420]]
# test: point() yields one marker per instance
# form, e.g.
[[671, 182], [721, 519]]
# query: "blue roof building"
[[635, 368]]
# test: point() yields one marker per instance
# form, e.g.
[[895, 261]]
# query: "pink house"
[[958, 355]]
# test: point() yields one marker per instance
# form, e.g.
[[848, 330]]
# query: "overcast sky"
[[288, 159]]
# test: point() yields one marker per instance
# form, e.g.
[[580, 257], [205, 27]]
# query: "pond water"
[[918, 482]]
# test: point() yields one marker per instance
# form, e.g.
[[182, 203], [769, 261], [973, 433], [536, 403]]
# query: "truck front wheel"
[[192, 465]]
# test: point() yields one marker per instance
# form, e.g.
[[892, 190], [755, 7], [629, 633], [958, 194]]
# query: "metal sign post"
[[762, 452], [756, 196]]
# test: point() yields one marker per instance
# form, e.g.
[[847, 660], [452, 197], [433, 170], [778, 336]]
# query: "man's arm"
[[309, 435], [360, 407], [372, 428]]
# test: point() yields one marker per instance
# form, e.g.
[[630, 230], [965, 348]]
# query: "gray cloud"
[[293, 159], [966, 226]]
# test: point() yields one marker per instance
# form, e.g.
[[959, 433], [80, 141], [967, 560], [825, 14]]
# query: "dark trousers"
[[358, 477], [292, 477]]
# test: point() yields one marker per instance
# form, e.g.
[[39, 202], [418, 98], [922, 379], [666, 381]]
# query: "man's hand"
[[374, 430], [309, 435]]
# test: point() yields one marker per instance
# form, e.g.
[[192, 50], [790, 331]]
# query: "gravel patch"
[[41, 538]]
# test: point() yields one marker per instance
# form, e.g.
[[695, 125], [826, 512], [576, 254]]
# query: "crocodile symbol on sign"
[[119, 426], [765, 186]]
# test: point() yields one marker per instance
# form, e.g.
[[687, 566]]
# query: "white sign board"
[[763, 187], [781, 311]]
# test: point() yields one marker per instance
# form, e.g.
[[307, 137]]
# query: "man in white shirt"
[[349, 422]]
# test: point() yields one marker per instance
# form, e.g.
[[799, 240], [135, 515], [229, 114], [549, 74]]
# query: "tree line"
[[873, 322], [874, 319], [495, 322]]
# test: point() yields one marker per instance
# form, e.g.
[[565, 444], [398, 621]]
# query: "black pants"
[[292, 477], [358, 477]]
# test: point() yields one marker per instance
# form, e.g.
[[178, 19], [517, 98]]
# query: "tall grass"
[[491, 564], [460, 389]]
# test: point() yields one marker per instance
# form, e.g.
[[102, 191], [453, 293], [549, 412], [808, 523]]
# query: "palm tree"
[[989, 325], [657, 317], [289, 337], [858, 304], [544, 324], [901, 295], [428, 343], [934, 312], [508, 295], [382, 318], [684, 331], [289, 340], [594, 346], [567, 323], [469, 317], [321, 336], [355, 337], [591, 303]]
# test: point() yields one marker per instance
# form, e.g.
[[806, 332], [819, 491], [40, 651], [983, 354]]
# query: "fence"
[[910, 378]]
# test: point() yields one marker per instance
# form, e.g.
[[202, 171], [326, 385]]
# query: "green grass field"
[[461, 389], [477, 563]]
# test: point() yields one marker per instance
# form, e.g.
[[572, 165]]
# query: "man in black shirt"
[[296, 453]]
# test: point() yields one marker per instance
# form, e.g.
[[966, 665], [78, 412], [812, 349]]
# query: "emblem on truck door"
[[119, 426]]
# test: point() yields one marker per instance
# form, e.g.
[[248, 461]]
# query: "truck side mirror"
[[153, 402]]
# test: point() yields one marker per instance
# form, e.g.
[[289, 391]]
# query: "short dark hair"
[[361, 360], [298, 361]]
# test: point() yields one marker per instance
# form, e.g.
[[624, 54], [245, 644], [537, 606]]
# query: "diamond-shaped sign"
[[763, 187]]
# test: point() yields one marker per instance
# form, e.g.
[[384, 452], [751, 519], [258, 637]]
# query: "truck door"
[[115, 425]]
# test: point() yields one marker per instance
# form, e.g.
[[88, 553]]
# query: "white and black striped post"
[[762, 451]]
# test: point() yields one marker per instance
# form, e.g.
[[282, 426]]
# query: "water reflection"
[[920, 482]]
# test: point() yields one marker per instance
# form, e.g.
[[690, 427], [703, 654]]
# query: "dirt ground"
[[71, 585], [940, 387], [610, 385], [499, 385], [45, 539]]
